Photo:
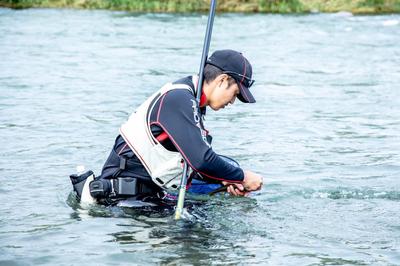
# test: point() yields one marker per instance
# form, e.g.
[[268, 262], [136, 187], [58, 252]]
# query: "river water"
[[324, 133]]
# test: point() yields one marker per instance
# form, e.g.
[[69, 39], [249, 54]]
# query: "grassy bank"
[[257, 6]]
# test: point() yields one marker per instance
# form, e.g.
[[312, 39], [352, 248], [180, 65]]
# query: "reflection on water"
[[324, 133], [193, 239]]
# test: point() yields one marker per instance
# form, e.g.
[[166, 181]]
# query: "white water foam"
[[390, 23]]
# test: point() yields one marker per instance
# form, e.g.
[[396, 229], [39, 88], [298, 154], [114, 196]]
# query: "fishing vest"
[[165, 167]]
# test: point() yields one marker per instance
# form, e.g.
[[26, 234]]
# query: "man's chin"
[[216, 108]]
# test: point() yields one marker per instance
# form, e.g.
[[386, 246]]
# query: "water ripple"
[[324, 133]]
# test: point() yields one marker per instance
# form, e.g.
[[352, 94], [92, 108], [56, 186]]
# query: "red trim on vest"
[[203, 99], [184, 156], [161, 103], [121, 150], [163, 136], [136, 153]]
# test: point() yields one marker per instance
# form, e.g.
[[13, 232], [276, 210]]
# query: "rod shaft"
[[206, 47], [182, 192], [204, 56]]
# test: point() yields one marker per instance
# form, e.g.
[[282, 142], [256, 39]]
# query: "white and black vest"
[[165, 167]]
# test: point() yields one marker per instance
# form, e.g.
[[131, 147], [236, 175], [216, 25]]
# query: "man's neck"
[[203, 98]]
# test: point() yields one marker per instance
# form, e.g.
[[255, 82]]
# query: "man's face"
[[224, 93]]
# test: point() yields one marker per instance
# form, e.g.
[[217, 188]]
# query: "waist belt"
[[110, 191], [120, 185]]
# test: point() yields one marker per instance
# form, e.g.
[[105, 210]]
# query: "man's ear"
[[223, 78]]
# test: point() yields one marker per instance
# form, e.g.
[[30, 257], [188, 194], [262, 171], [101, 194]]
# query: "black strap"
[[122, 166], [122, 163]]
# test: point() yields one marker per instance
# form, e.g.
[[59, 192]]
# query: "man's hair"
[[212, 72]]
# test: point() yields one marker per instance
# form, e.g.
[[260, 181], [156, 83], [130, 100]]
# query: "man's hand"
[[251, 182], [236, 189]]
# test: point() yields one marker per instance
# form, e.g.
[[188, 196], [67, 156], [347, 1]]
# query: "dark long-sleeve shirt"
[[176, 123]]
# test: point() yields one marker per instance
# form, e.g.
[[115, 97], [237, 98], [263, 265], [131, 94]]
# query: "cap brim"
[[245, 95]]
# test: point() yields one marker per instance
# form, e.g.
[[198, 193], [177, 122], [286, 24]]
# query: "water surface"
[[324, 133]]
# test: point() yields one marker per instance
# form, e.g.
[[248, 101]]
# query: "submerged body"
[[147, 158]]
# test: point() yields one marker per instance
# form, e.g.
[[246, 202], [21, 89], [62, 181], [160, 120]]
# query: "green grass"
[[380, 6], [280, 6], [128, 5], [259, 6]]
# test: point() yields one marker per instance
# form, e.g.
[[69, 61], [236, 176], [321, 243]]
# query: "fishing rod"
[[204, 56]]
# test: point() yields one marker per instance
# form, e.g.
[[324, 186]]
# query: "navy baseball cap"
[[238, 67]]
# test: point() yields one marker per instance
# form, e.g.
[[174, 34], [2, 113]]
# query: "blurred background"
[[324, 133]]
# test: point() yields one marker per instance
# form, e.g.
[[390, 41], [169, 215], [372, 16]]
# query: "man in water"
[[147, 157]]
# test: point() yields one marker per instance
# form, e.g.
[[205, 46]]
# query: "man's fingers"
[[240, 193], [233, 191], [240, 187], [229, 189], [236, 192]]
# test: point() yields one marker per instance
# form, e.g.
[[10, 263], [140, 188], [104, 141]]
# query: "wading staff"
[[204, 56]]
